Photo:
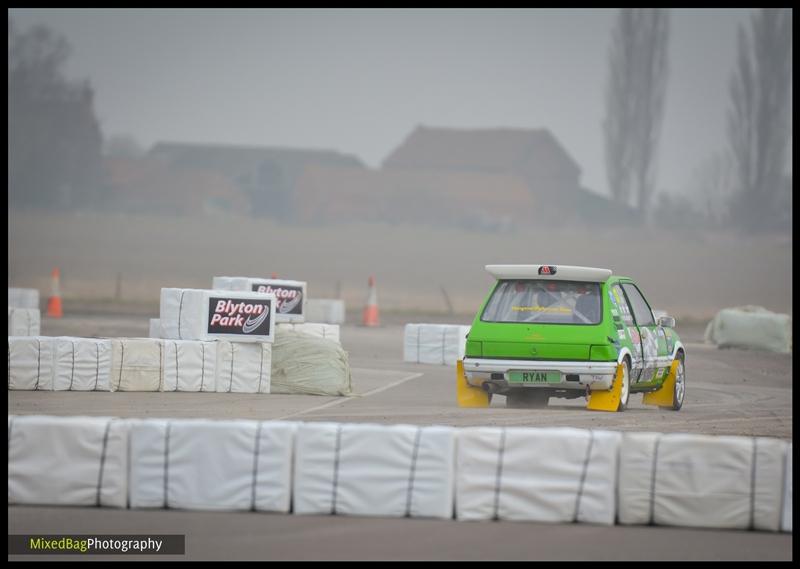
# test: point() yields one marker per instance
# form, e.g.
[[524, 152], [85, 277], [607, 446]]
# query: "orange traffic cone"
[[54, 302], [371, 309]]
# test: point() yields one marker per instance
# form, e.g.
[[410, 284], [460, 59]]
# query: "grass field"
[[689, 274]]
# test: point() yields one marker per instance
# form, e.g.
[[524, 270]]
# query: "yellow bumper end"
[[664, 395], [467, 395], [607, 400]]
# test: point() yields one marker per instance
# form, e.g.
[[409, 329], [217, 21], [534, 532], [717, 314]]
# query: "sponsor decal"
[[547, 270], [549, 309], [239, 316], [288, 298], [621, 334]]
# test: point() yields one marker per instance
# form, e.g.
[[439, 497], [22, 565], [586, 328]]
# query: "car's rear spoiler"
[[551, 272]]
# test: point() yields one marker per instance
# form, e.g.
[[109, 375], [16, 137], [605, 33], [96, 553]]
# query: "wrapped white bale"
[[243, 367], [318, 330], [309, 365], [441, 344], [137, 364], [751, 327], [155, 328], [290, 304], [455, 344], [374, 470], [24, 322], [82, 364], [190, 365], [786, 517], [541, 475], [196, 314], [328, 311], [701, 481], [23, 298], [211, 465], [30, 363], [67, 461]]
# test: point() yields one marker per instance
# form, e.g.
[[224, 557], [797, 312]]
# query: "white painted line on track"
[[345, 399]]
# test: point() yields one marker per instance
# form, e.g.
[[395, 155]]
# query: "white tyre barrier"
[[198, 314], [786, 516], [24, 322], [189, 365], [244, 367], [751, 327], [290, 295], [82, 364], [23, 298], [438, 344], [327, 311], [67, 461], [211, 465], [374, 470], [155, 328], [30, 363], [318, 330], [542, 475], [137, 364], [702, 481], [309, 365]]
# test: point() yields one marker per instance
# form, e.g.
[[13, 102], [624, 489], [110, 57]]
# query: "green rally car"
[[562, 331]]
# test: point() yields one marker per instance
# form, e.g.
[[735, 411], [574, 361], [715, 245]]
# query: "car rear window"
[[544, 302]]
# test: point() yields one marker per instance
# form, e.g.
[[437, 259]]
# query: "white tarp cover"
[[30, 363], [67, 461], [23, 298], [24, 322], [327, 331], [243, 367], [290, 296], [441, 344], [82, 364], [374, 470], [326, 310], [751, 327], [533, 474], [702, 481], [190, 365], [198, 464], [786, 518], [189, 314], [137, 364], [155, 328], [309, 365]]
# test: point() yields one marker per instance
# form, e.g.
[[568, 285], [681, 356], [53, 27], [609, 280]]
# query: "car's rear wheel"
[[527, 398], [679, 392], [626, 386]]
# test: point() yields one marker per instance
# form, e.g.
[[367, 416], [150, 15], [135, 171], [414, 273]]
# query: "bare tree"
[[711, 187], [635, 103], [759, 119], [54, 137]]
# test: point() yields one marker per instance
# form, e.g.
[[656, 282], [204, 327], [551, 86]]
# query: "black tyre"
[[625, 394], [679, 392]]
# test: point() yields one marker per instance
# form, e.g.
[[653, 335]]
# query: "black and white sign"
[[289, 298], [238, 316]]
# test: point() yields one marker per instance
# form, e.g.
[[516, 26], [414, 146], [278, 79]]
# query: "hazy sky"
[[359, 81]]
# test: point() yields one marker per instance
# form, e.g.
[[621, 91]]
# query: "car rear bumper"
[[574, 375]]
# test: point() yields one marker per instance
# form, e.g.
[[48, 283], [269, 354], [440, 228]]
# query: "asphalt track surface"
[[729, 392]]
